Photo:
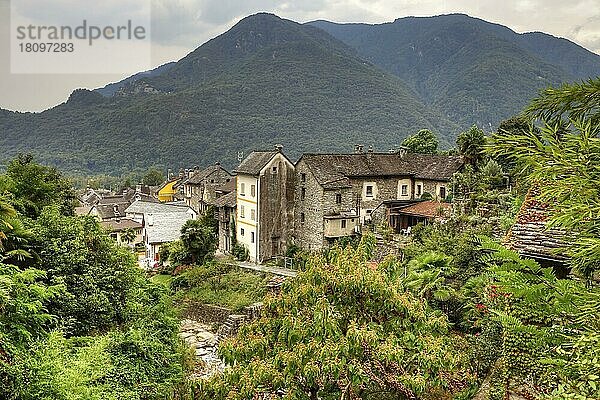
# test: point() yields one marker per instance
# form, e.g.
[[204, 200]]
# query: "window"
[[419, 190], [343, 224], [303, 177], [253, 190], [251, 237], [369, 212], [302, 217], [242, 232], [242, 212], [253, 215], [242, 189], [303, 194], [404, 190], [442, 192], [212, 181], [338, 198], [369, 191], [274, 170]]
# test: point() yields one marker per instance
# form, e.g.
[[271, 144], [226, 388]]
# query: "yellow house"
[[167, 191]]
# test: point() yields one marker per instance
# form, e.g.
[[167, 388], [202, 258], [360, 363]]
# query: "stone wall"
[[276, 207], [207, 313], [308, 234]]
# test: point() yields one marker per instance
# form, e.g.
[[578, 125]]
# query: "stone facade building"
[[265, 203], [225, 214], [337, 193], [203, 187]]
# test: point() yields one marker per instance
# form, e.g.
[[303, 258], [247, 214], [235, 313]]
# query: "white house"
[[161, 222]]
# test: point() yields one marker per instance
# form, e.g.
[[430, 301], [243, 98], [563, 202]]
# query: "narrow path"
[[264, 268]]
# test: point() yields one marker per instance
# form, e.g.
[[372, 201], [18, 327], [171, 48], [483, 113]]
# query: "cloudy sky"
[[179, 26]]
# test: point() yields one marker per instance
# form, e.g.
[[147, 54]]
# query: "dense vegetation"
[[77, 318]]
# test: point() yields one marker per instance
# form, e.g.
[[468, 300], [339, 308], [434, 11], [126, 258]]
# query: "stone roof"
[[333, 170], [166, 227], [529, 236], [113, 209], [255, 162], [199, 176], [145, 207], [120, 224], [227, 187], [82, 210], [427, 209], [227, 200]]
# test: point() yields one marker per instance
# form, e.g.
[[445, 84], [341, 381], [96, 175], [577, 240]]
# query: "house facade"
[[338, 193], [116, 228], [265, 186], [203, 187], [226, 215]]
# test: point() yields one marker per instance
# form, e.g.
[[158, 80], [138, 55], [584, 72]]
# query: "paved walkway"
[[271, 270]]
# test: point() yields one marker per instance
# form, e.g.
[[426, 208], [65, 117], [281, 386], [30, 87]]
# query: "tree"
[[342, 330], [424, 142], [199, 240], [153, 177], [561, 159], [549, 327], [470, 145], [570, 102], [33, 186], [96, 272], [128, 235]]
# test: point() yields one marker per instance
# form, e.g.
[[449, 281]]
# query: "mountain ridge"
[[294, 85]]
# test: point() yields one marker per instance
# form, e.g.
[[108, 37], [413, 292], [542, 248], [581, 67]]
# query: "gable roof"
[[120, 225], [114, 209], [198, 176], [255, 162], [166, 227], [333, 170], [227, 200], [145, 207], [529, 235]]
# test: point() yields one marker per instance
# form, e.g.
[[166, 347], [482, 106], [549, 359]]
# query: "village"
[[269, 202]]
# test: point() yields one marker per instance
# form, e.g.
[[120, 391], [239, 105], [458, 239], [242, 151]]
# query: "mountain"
[[112, 88], [267, 80], [472, 70]]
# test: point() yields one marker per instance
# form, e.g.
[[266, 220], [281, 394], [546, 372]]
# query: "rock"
[[201, 352]]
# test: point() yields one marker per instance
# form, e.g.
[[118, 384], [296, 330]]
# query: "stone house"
[[265, 187], [225, 214], [203, 187], [337, 193]]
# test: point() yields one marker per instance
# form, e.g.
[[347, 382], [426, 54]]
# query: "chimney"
[[370, 149], [169, 173], [218, 164], [279, 148], [402, 151], [150, 220]]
